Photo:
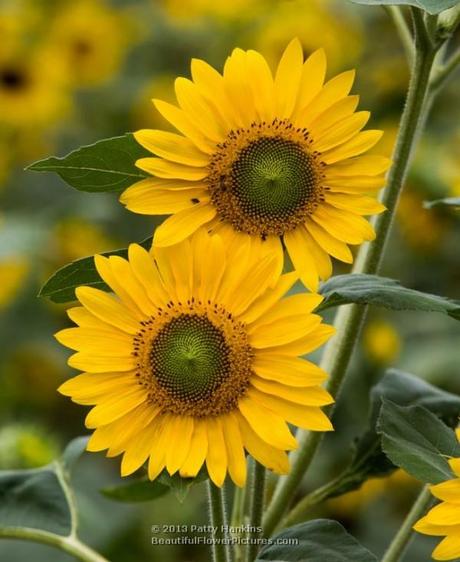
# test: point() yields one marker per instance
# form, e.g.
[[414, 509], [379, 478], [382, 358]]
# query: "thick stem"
[[217, 510], [349, 318], [256, 508], [69, 544], [404, 535]]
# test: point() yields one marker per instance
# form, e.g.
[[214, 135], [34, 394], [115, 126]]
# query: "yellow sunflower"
[[278, 159], [444, 518], [195, 359]]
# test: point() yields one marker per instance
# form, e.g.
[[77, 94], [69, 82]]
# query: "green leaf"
[[34, 499], [368, 459], [107, 165], [321, 540], [74, 451], [417, 441], [430, 6], [381, 291], [181, 486], [136, 491], [446, 202], [61, 286]]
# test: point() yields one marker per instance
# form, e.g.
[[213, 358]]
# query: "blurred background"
[[73, 72]]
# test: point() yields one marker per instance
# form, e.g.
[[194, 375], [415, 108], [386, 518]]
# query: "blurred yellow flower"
[[26, 446], [92, 38], [317, 23], [13, 272], [381, 342]]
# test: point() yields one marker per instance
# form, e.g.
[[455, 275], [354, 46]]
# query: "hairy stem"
[[217, 510], [349, 318], [69, 544], [404, 535], [256, 507]]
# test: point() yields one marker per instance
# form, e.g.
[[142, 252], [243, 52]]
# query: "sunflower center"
[[265, 180], [190, 357], [12, 79], [193, 359]]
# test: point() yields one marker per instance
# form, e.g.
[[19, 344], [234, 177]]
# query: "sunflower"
[[195, 359], [277, 159], [444, 518]]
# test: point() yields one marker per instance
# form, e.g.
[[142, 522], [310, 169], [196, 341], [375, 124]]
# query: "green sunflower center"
[[266, 179], [273, 177], [190, 358]]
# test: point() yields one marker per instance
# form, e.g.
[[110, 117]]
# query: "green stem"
[[349, 319], [404, 535], [68, 544], [217, 510], [443, 73], [256, 508]]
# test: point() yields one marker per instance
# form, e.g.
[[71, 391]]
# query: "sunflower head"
[[195, 359], [279, 158]]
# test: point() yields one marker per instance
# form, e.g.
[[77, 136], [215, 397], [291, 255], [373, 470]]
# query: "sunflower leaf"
[[417, 441], [136, 491], [446, 202], [315, 541], [430, 6], [369, 460], [61, 286], [181, 486], [107, 165], [382, 291]]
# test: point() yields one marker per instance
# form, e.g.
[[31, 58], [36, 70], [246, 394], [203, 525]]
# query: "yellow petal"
[[107, 309], [107, 342], [301, 258], [359, 204], [354, 184], [306, 417], [91, 388], [268, 425], [99, 363], [357, 145], [368, 165], [448, 548], [447, 491], [268, 456], [261, 85], [235, 451], [117, 406], [331, 245], [179, 226], [287, 79], [171, 170], [130, 286], [341, 131], [422, 526], [444, 514], [147, 199], [307, 344], [348, 227], [283, 330], [211, 277], [313, 74], [237, 85], [293, 305], [147, 274], [320, 257], [265, 302], [216, 458], [178, 446], [337, 112], [181, 121], [197, 452], [292, 371], [455, 466], [157, 459], [138, 449], [305, 396], [172, 147]]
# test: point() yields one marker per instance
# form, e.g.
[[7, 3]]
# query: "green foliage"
[[61, 286], [142, 489], [417, 441], [381, 291], [446, 202], [107, 165], [369, 459], [316, 541], [38, 498], [430, 6]]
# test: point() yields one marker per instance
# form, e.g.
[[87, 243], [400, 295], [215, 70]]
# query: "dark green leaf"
[[74, 451], [381, 291], [34, 499], [368, 459], [322, 540], [181, 486], [430, 6], [417, 441], [136, 491], [446, 202], [61, 286], [107, 165]]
